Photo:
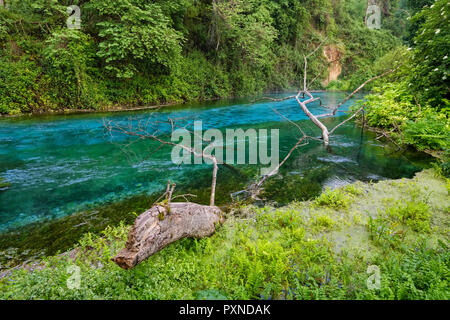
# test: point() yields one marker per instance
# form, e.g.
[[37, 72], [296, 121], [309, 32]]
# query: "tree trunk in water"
[[214, 183], [325, 134], [163, 224]]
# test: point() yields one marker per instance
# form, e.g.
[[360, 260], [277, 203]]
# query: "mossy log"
[[164, 224]]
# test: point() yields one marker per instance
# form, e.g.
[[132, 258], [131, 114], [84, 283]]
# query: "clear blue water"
[[60, 165]]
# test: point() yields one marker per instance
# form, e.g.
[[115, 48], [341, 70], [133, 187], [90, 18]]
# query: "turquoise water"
[[60, 165]]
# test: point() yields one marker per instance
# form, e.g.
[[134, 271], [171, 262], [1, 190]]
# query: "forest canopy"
[[140, 52], [131, 53]]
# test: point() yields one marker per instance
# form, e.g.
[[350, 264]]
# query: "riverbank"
[[127, 108], [318, 249]]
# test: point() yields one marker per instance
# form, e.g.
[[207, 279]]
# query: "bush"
[[334, 199], [69, 57], [22, 87], [430, 132], [393, 107], [390, 106]]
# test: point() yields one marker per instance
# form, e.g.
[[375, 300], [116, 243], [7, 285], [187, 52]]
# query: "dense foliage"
[[140, 52], [414, 106]]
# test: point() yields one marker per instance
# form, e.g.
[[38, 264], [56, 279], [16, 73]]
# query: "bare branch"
[[360, 87], [184, 196], [318, 47], [346, 120], [289, 120], [142, 132], [275, 99], [256, 187]]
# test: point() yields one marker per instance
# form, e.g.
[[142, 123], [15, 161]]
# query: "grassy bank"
[[319, 249]]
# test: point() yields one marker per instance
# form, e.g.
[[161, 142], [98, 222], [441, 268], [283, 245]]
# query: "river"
[[61, 165]]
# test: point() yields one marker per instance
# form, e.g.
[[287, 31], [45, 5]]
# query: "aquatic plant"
[[4, 184]]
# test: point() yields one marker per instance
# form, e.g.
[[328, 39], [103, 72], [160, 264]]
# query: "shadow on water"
[[67, 178]]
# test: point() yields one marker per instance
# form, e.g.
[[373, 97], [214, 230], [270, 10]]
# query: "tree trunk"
[[213, 183], [325, 134], [163, 224]]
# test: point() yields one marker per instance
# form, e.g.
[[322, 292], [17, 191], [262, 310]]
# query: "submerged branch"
[[347, 120]]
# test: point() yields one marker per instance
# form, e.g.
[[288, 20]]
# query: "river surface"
[[63, 164]]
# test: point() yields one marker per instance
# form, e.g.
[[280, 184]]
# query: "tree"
[[68, 55], [415, 6], [300, 98], [255, 188], [246, 27]]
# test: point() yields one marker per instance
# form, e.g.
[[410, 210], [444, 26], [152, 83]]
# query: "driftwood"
[[143, 130], [166, 223]]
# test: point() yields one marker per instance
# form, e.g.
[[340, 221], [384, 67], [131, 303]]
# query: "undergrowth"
[[266, 253]]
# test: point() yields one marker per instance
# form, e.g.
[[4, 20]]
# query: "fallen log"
[[164, 224]]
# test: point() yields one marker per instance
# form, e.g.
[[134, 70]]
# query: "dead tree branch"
[[346, 120], [164, 224], [257, 186], [300, 98], [141, 131], [335, 109]]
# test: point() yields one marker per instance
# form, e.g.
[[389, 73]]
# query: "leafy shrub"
[[445, 167], [136, 37], [390, 109], [429, 76], [430, 132], [415, 214], [69, 56], [388, 227], [324, 221], [22, 87], [420, 273], [393, 107], [353, 189], [336, 198], [383, 230]]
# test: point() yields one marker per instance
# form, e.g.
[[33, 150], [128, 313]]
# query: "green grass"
[[293, 252], [338, 198]]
